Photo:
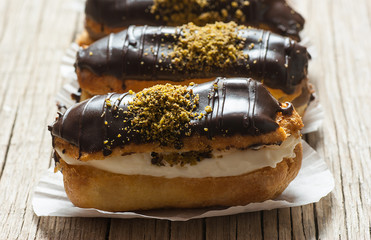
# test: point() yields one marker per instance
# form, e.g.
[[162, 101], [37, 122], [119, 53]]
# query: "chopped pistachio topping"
[[239, 13], [163, 112], [200, 12], [204, 48], [208, 109], [178, 12]]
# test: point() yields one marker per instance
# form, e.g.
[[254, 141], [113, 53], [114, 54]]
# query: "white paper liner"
[[306, 42], [313, 182], [313, 117]]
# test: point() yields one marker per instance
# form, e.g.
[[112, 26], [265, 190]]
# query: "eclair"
[[143, 56], [226, 142], [103, 17]]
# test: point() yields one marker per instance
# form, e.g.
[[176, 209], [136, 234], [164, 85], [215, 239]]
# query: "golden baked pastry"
[[221, 143]]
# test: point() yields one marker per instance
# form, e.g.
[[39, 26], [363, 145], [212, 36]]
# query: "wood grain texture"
[[139, 229], [33, 38]]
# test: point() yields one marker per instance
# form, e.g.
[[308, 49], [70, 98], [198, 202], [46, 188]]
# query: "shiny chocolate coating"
[[240, 106], [275, 15], [142, 53]]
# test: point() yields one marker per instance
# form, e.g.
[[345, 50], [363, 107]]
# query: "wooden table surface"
[[33, 38]]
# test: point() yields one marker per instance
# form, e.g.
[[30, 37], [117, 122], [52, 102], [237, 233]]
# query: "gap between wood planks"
[[9, 141]]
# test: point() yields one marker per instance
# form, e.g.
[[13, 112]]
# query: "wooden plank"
[[4, 15], [284, 223], [270, 224], [33, 59], [297, 223], [340, 214], [249, 226], [193, 229], [139, 229], [8, 89], [303, 226], [322, 72], [357, 75], [347, 129], [221, 227], [70, 228]]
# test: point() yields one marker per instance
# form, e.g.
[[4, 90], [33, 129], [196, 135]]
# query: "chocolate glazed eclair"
[[143, 56], [106, 16], [221, 143]]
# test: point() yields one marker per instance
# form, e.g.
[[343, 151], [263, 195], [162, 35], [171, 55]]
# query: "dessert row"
[[205, 113]]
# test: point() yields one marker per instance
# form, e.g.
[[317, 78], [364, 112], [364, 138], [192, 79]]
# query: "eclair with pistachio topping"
[[221, 143], [103, 17], [144, 56]]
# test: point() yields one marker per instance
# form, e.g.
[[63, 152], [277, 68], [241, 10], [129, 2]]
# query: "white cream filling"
[[232, 163]]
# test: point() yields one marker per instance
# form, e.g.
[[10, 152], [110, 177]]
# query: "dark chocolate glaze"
[[137, 53], [240, 106], [121, 13], [274, 14]]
